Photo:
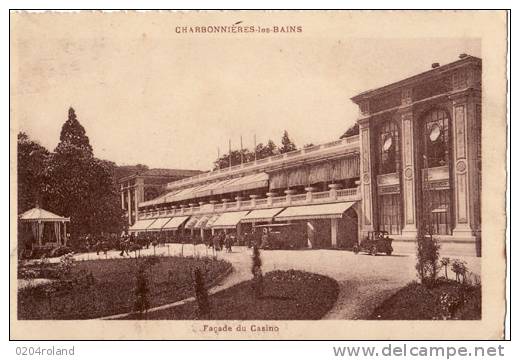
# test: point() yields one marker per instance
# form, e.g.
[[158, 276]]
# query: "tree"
[[351, 131], [73, 133], [256, 270], [141, 301], [32, 163], [237, 157], [287, 144], [201, 294], [270, 149], [82, 186]]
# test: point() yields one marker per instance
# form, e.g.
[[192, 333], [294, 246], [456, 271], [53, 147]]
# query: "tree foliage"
[[351, 131], [70, 182], [287, 144], [32, 162], [246, 155], [73, 133]]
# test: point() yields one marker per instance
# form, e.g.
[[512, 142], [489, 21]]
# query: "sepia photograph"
[[257, 175]]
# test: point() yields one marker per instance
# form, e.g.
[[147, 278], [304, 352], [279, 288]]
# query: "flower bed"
[[287, 295], [97, 288], [446, 300]]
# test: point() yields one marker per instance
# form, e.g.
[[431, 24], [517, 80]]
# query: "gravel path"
[[364, 280]]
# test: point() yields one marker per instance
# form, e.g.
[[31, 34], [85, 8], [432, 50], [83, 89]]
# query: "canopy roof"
[[38, 214], [261, 215], [192, 222], [211, 221], [175, 222], [142, 224], [202, 222], [159, 223], [321, 211], [229, 220], [244, 183]]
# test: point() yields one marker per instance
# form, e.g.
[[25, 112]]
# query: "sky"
[[148, 95]]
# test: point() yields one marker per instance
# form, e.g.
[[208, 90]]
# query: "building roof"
[[464, 60], [170, 172], [38, 214]]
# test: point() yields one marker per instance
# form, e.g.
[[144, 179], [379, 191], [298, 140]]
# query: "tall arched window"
[[388, 148], [436, 139], [436, 189]]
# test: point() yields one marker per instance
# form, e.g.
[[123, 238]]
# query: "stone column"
[[129, 197], [136, 200], [253, 200], [270, 196], [366, 177], [334, 232], [122, 197], [288, 196], [333, 191], [408, 197], [309, 190], [462, 204]]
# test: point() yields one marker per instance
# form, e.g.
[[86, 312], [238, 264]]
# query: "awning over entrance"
[[202, 221], [211, 221], [158, 224], [141, 225], [190, 224], [261, 215], [175, 222], [321, 211], [229, 220]]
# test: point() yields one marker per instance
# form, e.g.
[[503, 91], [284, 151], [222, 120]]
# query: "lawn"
[[447, 299], [100, 288], [288, 295]]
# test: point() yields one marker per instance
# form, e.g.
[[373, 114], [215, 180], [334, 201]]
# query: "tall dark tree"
[[73, 133], [32, 162], [81, 186], [287, 143]]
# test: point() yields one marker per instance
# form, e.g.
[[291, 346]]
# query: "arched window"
[[436, 139], [388, 148]]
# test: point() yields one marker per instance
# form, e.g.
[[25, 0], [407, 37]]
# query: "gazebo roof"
[[37, 214]]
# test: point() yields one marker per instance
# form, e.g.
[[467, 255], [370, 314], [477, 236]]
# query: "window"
[[390, 213], [436, 139], [388, 148]]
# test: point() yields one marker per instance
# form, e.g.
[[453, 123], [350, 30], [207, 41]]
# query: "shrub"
[[460, 269], [201, 295], [445, 261], [65, 266], [141, 302], [427, 257], [60, 251], [258, 278]]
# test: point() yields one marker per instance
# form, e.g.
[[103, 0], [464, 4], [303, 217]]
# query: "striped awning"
[[202, 221], [321, 211], [141, 225], [158, 224], [175, 222], [261, 215], [190, 224], [211, 221], [229, 220]]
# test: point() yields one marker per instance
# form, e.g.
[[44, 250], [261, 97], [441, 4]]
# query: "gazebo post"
[[39, 232], [65, 233]]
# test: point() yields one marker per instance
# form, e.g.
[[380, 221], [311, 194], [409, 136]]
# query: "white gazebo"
[[44, 227]]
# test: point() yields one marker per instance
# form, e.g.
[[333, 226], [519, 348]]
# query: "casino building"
[[416, 160]]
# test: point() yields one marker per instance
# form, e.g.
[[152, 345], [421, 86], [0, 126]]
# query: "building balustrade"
[[333, 195], [350, 142]]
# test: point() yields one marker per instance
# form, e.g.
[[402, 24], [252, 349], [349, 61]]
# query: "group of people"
[[221, 240]]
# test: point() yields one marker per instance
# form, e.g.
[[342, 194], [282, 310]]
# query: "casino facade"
[[416, 160]]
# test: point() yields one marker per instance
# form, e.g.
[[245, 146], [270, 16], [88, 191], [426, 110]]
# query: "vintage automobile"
[[375, 242], [280, 236]]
